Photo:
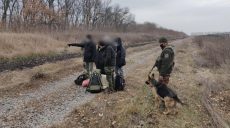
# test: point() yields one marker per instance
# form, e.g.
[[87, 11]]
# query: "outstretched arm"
[[77, 45]]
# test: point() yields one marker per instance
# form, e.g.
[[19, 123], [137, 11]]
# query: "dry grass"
[[215, 49], [20, 44], [214, 54], [25, 44], [128, 37]]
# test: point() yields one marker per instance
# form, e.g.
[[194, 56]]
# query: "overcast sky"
[[184, 15]]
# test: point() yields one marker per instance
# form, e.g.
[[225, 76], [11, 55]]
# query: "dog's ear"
[[153, 75]]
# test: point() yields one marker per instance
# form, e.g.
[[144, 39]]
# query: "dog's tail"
[[179, 101]]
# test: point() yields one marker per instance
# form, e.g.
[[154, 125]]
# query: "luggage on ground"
[[95, 84], [85, 83], [119, 83], [80, 79]]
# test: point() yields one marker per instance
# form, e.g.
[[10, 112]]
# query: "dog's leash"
[[151, 70]]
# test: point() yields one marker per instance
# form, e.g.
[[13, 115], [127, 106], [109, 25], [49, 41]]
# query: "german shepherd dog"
[[164, 93]]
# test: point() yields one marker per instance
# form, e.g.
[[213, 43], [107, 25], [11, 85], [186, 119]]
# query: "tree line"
[[18, 15]]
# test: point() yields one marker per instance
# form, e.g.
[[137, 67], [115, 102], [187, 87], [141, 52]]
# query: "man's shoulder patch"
[[166, 55]]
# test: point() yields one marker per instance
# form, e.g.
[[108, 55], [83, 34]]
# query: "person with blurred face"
[[89, 54], [120, 57], [165, 63], [107, 61]]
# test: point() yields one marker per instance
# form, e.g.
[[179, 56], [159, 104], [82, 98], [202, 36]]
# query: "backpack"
[[80, 79], [119, 83], [95, 84]]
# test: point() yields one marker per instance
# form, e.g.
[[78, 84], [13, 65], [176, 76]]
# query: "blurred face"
[[115, 43], [163, 45], [101, 43]]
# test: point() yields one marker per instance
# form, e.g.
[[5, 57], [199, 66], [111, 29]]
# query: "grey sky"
[[183, 15]]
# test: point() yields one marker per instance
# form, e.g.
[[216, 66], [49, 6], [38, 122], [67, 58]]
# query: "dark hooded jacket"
[[105, 57], [89, 50], [165, 62], [108, 55], [99, 60], [121, 54]]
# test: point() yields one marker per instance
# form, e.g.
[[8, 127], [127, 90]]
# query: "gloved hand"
[[147, 82], [161, 78]]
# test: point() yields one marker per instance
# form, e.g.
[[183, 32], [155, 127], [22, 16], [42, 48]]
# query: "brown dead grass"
[[25, 44], [215, 50], [214, 55], [20, 44]]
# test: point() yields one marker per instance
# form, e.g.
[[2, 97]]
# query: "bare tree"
[[5, 7], [64, 14]]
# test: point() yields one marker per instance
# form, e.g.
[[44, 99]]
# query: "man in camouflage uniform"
[[109, 60], [89, 47], [165, 63]]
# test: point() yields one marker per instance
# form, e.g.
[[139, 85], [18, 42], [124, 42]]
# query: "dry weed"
[[25, 44], [215, 50]]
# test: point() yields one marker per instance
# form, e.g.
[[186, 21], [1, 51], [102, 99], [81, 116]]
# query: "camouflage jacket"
[[165, 62]]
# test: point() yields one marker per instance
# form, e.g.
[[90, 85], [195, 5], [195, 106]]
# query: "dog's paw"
[[166, 113], [170, 113]]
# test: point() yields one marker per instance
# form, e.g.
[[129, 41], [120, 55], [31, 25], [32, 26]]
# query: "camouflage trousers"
[[88, 67], [109, 72], [164, 79]]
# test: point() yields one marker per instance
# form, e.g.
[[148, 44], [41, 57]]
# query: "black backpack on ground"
[[80, 79], [95, 84], [119, 83]]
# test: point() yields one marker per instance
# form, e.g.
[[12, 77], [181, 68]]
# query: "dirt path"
[[52, 102], [42, 107]]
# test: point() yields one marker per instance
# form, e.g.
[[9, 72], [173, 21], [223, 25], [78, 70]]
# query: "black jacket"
[[89, 50], [99, 60], [105, 57], [165, 62], [121, 54], [109, 56]]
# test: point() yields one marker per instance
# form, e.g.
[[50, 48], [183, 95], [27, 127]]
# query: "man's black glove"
[[147, 82]]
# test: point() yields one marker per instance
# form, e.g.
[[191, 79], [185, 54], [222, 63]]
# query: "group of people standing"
[[108, 55]]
